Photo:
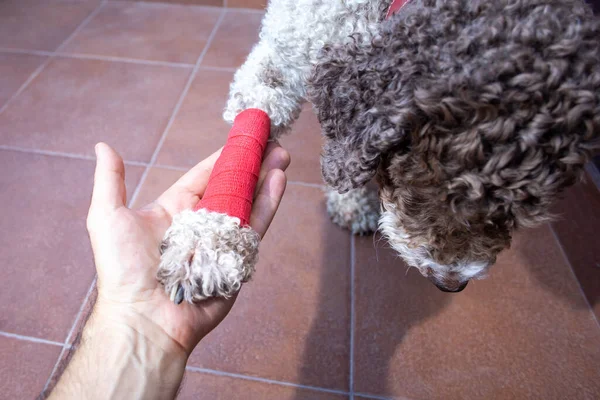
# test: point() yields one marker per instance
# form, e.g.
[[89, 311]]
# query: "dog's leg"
[[357, 210], [266, 81]]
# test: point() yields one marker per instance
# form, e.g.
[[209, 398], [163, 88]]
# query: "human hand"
[[126, 246]]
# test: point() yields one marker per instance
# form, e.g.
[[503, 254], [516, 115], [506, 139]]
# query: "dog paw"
[[206, 254], [357, 210]]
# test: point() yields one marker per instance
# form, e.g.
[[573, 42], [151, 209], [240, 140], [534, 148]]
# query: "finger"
[[267, 201], [276, 158], [186, 191], [109, 179]]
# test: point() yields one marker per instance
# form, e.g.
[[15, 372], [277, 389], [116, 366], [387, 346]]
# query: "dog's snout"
[[454, 289]]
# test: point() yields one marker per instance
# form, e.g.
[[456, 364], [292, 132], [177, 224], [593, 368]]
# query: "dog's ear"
[[365, 108]]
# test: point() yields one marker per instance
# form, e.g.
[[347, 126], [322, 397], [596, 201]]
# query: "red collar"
[[395, 6]]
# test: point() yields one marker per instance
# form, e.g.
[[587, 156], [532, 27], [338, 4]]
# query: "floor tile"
[[215, 3], [159, 32], [577, 230], [77, 103], [258, 4], [200, 386], [40, 25], [199, 129], [15, 69], [47, 263], [234, 39], [304, 143], [24, 367], [157, 181], [291, 323], [509, 336]]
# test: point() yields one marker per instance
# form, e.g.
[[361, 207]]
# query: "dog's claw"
[[177, 294]]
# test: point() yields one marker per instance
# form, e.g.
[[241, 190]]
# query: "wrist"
[[122, 352]]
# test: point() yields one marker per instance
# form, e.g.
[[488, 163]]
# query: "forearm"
[[122, 357]]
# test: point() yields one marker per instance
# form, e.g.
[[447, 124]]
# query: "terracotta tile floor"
[[328, 316]]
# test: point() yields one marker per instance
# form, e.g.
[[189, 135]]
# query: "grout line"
[[45, 63], [81, 26], [220, 69], [225, 5], [56, 364], [30, 339], [352, 312], [375, 397], [62, 154], [83, 304], [178, 106], [24, 86], [76, 156], [566, 258], [264, 380], [66, 344], [27, 52], [123, 60], [246, 10], [101, 57], [171, 167]]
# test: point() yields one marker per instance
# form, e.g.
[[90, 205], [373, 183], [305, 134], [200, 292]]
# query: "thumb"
[[109, 179]]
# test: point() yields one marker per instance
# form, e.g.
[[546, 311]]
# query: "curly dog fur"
[[472, 115], [206, 254]]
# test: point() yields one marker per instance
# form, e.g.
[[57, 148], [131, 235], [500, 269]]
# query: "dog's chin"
[[448, 278]]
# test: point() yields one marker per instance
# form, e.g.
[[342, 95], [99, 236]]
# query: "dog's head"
[[472, 114]]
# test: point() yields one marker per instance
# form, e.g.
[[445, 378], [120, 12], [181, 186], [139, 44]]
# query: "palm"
[[184, 323], [126, 246]]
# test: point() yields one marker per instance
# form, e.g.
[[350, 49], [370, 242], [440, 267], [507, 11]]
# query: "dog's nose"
[[452, 290]]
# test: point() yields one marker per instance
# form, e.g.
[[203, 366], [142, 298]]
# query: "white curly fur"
[[208, 254], [419, 256], [274, 76], [357, 210]]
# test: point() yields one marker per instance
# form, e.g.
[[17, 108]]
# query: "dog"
[[471, 116]]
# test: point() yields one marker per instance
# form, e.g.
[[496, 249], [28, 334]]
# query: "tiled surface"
[[45, 201], [526, 332], [15, 69], [157, 32], [258, 4], [214, 3], [198, 128], [40, 25], [74, 102], [202, 386], [577, 227], [234, 39], [24, 367], [507, 337], [304, 143]]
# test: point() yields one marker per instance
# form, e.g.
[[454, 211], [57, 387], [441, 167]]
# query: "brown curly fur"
[[474, 115]]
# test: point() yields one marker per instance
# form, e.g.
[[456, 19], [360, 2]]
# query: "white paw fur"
[[208, 254], [357, 210]]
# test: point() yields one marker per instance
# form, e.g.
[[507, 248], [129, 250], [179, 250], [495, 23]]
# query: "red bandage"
[[230, 188], [395, 6]]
